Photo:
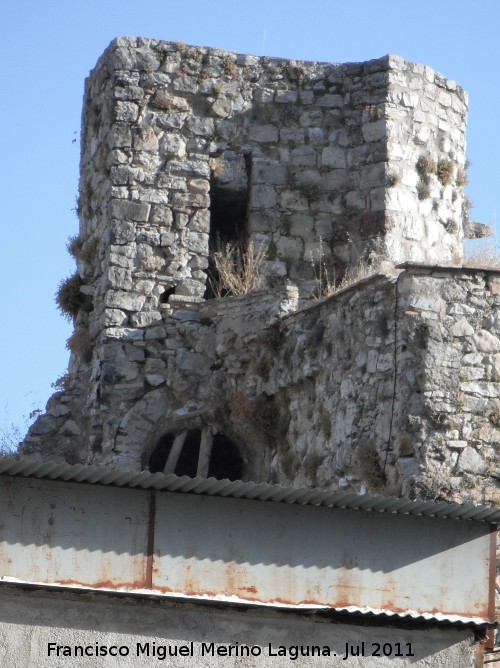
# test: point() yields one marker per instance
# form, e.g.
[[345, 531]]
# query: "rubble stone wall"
[[322, 164], [391, 385]]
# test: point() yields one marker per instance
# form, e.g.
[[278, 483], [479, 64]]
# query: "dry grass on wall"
[[483, 254], [327, 285], [239, 271]]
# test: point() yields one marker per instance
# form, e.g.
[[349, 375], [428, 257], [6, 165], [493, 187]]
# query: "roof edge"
[[31, 467]]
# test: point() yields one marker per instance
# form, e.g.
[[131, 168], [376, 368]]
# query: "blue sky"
[[48, 48]]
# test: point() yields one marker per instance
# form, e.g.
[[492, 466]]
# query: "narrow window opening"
[[229, 200]]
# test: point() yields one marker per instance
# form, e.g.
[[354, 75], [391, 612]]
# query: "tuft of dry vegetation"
[[74, 245], [80, 343], [483, 254], [423, 191], [370, 467], [425, 165], [229, 66], [462, 178], [329, 284], [70, 299], [238, 270], [444, 172], [80, 250], [62, 384]]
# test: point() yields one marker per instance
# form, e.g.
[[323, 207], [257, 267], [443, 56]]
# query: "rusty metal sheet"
[[278, 554], [190, 545], [70, 534]]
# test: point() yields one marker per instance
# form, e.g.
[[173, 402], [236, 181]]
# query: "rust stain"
[[250, 590], [187, 591], [492, 573], [102, 584], [148, 584], [251, 594]]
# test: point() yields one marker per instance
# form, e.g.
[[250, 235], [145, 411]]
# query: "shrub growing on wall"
[[70, 299]]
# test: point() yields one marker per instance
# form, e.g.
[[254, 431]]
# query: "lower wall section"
[[147, 631]]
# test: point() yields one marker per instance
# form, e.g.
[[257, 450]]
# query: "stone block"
[[126, 301], [285, 96], [486, 342], [494, 284], [198, 186], [263, 197], [293, 200], [461, 328], [270, 173], [145, 139], [155, 332], [121, 232], [130, 211], [119, 278], [196, 242], [305, 156], [375, 131], [334, 156], [471, 462], [292, 134], [123, 372], [290, 248], [70, 428], [114, 317], [173, 144], [330, 101], [126, 112], [145, 319], [263, 133], [373, 175]]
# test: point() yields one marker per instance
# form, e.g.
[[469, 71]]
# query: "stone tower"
[[315, 168]]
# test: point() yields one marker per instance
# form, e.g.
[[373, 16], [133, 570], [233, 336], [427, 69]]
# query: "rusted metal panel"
[[70, 534], [271, 553], [280, 554]]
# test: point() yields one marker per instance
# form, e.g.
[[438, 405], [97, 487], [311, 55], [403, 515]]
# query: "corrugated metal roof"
[[409, 615], [28, 467], [412, 616]]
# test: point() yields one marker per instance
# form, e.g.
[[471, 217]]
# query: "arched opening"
[[181, 454]]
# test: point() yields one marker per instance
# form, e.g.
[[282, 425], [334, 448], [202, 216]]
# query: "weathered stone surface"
[[127, 301], [471, 462], [263, 133], [486, 342], [461, 328], [131, 211]]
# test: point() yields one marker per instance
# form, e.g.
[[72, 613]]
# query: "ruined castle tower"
[[313, 169]]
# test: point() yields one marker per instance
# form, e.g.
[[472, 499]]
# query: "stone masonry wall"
[[328, 154], [323, 164], [389, 386]]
